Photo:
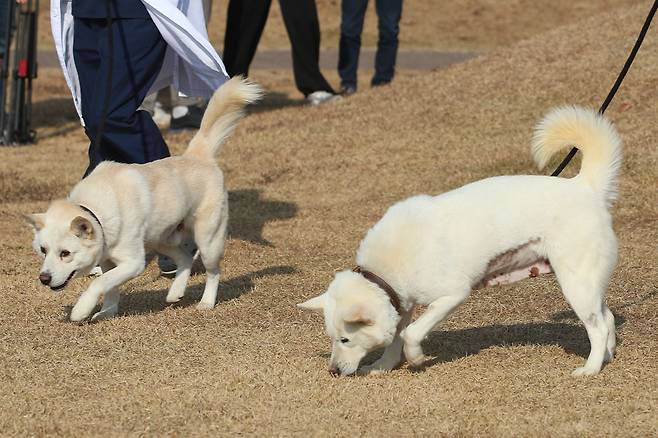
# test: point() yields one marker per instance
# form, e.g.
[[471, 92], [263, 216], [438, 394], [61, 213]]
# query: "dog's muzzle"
[[61, 286]]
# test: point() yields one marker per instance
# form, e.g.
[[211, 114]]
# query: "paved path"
[[281, 59]]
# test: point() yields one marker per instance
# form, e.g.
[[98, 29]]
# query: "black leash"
[[615, 87]]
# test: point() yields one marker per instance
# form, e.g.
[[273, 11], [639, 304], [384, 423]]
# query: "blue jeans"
[[353, 14]]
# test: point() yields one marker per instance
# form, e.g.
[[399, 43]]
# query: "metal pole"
[[24, 70], [4, 69]]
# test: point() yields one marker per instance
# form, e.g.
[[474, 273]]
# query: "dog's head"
[[69, 240], [358, 318]]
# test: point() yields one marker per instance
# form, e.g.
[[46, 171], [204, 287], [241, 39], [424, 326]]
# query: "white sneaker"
[[320, 97], [161, 117], [168, 267]]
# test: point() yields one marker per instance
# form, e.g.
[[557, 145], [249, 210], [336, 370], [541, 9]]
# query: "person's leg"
[[129, 135], [187, 112], [352, 14], [301, 20], [4, 21], [245, 22], [207, 10], [388, 13]]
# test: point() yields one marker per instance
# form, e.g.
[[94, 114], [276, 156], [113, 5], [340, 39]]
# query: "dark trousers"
[[353, 13], [129, 135], [244, 26], [5, 8]]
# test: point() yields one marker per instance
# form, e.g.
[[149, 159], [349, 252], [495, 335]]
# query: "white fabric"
[[191, 64]]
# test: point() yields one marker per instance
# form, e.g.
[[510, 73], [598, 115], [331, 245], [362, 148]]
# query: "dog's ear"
[[315, 303], [36, 221], [359, 314], [82, 228]]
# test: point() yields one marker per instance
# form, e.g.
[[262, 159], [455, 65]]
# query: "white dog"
[[434, 250], [121, 212]]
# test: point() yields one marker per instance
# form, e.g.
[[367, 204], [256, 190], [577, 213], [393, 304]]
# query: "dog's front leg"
[[110, 300], [392, 355], [107, 282], [416, 332]]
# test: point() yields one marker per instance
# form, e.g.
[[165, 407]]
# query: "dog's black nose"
[[333, 371], [45, 278]]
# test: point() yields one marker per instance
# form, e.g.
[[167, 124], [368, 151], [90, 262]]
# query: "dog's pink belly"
[[524, 261], [534, 270]]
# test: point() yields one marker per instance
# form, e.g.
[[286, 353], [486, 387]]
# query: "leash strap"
[[617, 84], [392, 295]]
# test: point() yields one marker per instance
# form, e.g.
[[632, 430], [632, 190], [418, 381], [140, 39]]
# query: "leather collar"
[[93, 215], [392, 295]]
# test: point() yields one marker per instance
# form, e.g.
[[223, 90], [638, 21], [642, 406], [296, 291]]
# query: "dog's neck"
[[393, 296]]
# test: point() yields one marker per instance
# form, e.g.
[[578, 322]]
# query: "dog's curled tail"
[[590, 132], [225, 109]]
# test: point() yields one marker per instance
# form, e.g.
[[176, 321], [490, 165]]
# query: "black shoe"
[[380, 84], [347, 90], [191, 120]]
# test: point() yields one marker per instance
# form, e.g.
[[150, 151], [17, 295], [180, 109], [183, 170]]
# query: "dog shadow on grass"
[[447, 346], [153, 301], [249, 213], [273, 100]]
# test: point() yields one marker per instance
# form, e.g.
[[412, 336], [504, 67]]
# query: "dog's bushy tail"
[[590, 132], [225, 109]]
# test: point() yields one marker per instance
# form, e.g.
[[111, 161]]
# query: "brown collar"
[[392, 295]]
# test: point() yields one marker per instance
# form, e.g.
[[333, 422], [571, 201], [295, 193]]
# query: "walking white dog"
[[435, 250], [121, 212]]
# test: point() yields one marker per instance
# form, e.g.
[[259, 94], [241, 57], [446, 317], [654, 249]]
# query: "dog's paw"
[[205, 306], [371, 370], [417, 361], [105, 314], [173, 298], [585, 371], [78, 315]]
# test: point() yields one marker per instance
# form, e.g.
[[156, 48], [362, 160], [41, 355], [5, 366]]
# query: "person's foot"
[[167, 265], [191, 119], [320, 97], [160, 116], [347, 90], [380, 83]]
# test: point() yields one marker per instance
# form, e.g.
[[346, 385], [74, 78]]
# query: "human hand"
[[20, 2]]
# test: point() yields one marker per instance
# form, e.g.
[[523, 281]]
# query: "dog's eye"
[[64, 253], [43, 250], [344, 340]]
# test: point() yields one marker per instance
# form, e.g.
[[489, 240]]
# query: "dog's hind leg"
[[612, 340], [184, 262], [583, 271], [435, 313], [110, 306], [584, 291], [211, 246], [392, 355]]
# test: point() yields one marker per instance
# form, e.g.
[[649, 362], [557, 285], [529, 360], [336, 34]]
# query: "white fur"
[[146, 208], [434, 250]]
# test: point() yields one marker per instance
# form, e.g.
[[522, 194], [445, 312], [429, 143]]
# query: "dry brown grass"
[[306, 183], [470, 25]]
